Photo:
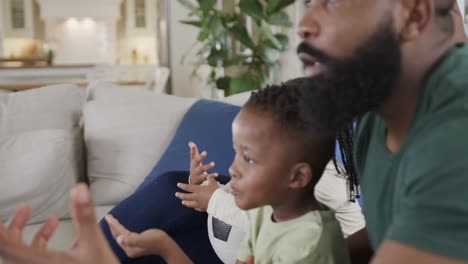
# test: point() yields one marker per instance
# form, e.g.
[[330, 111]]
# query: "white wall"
[[82, 41], [181, 39], [291, 66]]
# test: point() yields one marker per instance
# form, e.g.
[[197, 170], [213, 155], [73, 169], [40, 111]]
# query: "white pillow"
[[38, 168], [51, 107], [125, 137]]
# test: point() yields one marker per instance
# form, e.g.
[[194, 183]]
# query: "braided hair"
[[346, 144], [319, 109], [313, 146]]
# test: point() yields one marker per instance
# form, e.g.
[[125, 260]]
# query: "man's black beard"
[[353, 86]]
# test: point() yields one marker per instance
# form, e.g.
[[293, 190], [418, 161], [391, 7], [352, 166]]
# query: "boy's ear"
[[301, 176]]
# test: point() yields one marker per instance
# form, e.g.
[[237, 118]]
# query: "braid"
[[346, 144]]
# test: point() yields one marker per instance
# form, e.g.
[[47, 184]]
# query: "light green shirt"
[[312, 238]]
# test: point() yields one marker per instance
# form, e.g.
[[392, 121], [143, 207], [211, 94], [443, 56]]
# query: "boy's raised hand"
[[136, 245], [198, 171], [198, 196], [149, 242]]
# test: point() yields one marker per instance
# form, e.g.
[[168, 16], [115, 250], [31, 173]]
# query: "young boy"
[[277, 164]]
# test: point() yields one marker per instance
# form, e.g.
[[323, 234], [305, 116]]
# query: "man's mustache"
[[320, 56]]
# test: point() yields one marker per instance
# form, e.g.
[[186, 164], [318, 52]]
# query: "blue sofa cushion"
[[208, 124]]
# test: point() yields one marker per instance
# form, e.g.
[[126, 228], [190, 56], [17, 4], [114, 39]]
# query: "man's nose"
[[308, 26]]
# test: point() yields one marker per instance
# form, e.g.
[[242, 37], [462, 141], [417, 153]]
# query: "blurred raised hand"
[[91, 246]]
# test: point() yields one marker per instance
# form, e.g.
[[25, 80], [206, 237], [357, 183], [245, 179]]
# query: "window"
[[17, 14], [140, 14]]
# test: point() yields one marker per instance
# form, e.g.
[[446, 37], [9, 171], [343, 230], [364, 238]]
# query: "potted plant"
[[241, 42]]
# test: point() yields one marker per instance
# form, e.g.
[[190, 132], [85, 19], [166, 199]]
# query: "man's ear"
[[301, 176], [412, 17]]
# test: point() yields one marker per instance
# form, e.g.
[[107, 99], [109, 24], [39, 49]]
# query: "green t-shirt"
[[312, 238], [418, 196]]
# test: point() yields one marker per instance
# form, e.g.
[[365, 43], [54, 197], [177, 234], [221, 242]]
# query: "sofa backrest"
[[126, 132], [41, 149]]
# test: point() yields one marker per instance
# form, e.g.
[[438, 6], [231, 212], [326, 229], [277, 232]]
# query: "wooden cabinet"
[[18, 18], [140, 17]]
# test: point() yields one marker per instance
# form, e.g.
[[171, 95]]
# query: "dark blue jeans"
[[155, 206]]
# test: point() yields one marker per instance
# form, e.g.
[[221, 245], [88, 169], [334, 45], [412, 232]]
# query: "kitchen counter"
[[28, 77], [2, 67], [23, 77]]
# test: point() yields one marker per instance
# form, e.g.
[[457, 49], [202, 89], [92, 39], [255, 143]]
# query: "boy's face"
[[262, 166]]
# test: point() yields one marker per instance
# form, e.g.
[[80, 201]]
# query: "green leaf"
[[240, 33], [270, 56], [276, 5], [245, 82], [215, 26], [262, 73], [223, 83], [284, 40], [217, 57], [188, 4], [231, 18], [236, 60], [252, 8], [206, 5], [195, 23], [266, 31], [280, 19], [204, 34]]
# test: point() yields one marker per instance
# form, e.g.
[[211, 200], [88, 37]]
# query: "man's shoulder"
[[366, 127]]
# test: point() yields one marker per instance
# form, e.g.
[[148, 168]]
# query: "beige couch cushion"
[[37, 168], [126, 132], [51, 107]]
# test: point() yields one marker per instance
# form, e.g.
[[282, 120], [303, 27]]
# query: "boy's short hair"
[[312, 145]]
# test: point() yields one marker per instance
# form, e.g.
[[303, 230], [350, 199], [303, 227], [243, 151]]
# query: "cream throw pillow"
[[126, 131], [38, 168]]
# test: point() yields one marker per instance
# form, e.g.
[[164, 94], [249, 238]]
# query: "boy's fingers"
[[185, 196], [212, 175], [200, 158], [193, 150], [114, 231], [199, 175], [45, 233], [191, 204], [115, 226], [130, 240], [208, 166], [211, 178], [188, 188]]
